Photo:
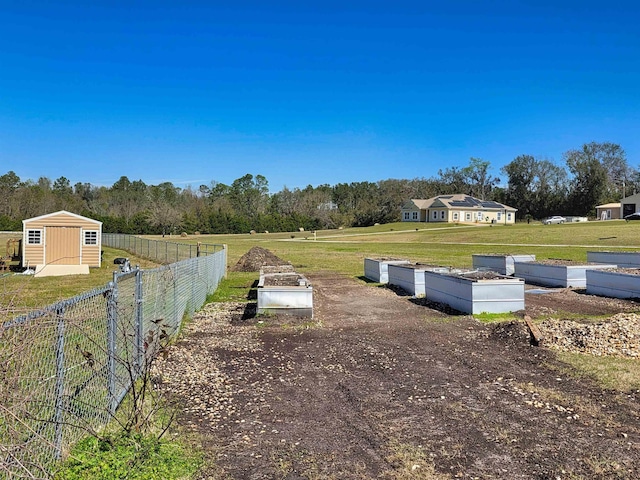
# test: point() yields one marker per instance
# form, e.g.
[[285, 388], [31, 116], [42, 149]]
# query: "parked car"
[[632, 216], [554, 219]]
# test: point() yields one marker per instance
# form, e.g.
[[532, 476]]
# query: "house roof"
[[62, 212], [610, 205], [421, 204], [460, 201]]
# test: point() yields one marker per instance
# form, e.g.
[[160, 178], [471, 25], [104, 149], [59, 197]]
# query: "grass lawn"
[[443, 244], [344, 251]]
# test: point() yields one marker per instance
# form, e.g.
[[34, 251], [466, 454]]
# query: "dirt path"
[[388, 388]]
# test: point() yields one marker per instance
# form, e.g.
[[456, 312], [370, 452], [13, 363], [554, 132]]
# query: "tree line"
[[594, 174]]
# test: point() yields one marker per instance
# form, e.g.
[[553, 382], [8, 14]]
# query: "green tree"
[[249, 195], [535, 187], [520, 194], [480, 181], [589, 176], [9, 184]]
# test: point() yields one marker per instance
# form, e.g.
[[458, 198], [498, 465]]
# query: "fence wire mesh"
[[159, 250], [66, 368]]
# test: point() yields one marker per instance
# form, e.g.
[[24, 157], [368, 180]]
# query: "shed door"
[[62, 245]]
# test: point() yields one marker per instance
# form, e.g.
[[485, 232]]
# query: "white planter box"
[[284, 297], [621, 259], [377, 269], [410, 277], [613, 284], [555, 275], [502, 264], [496, 295]]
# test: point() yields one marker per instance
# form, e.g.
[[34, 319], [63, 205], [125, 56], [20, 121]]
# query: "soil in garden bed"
[[282, 280]]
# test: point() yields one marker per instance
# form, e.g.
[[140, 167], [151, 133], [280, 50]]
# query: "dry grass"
[[22, 293], [412, 462], [621, 374]]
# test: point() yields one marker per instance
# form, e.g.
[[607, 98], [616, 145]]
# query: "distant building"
[[328, 206], [630, 205], [457, 209], [609, 211]]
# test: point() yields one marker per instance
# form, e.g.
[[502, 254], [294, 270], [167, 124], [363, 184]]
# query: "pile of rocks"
[[617, 336]]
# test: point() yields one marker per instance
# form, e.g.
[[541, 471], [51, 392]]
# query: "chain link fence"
[[158, 250], [66, 368]]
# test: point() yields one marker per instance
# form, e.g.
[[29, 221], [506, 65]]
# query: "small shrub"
[[128, 456]]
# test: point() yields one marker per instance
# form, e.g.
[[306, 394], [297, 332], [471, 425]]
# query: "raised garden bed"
[[410, 276], [500, 263], [283, 291], [621, 259], [556, 273], [377, 269], [615, 283], [476, 291]]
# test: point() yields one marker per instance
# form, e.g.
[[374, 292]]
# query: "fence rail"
[[158, 250], [65, 368]]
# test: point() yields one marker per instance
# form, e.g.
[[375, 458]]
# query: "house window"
[[435, 215], [415, 216], [406, 215], [91, 237], [508, 217], [455, 215], [467, 216], [34, 237], [499, 216]]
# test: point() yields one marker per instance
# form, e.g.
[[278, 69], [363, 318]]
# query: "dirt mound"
[[256, 258], [515, 332]]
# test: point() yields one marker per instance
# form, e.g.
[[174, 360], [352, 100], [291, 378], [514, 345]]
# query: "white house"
[[457, 209]]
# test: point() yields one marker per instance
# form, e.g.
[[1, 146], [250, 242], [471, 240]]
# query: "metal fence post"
[[139, 347], [112, 319], [59, 381]]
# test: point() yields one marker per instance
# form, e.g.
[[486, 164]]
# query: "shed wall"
[[62, 241]]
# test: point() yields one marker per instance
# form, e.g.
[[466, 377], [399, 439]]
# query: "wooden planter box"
[[556, 275], [474, 295], [502, 264], [410, 277], [377, 269], [621, 259], [282, 291], [613, 284]]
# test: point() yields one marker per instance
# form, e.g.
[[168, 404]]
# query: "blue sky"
[[309, 92]]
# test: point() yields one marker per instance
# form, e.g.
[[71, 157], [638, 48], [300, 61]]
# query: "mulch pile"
[[255, 259]]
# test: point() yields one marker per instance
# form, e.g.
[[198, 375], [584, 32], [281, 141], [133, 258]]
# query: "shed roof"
[[62, 212]]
